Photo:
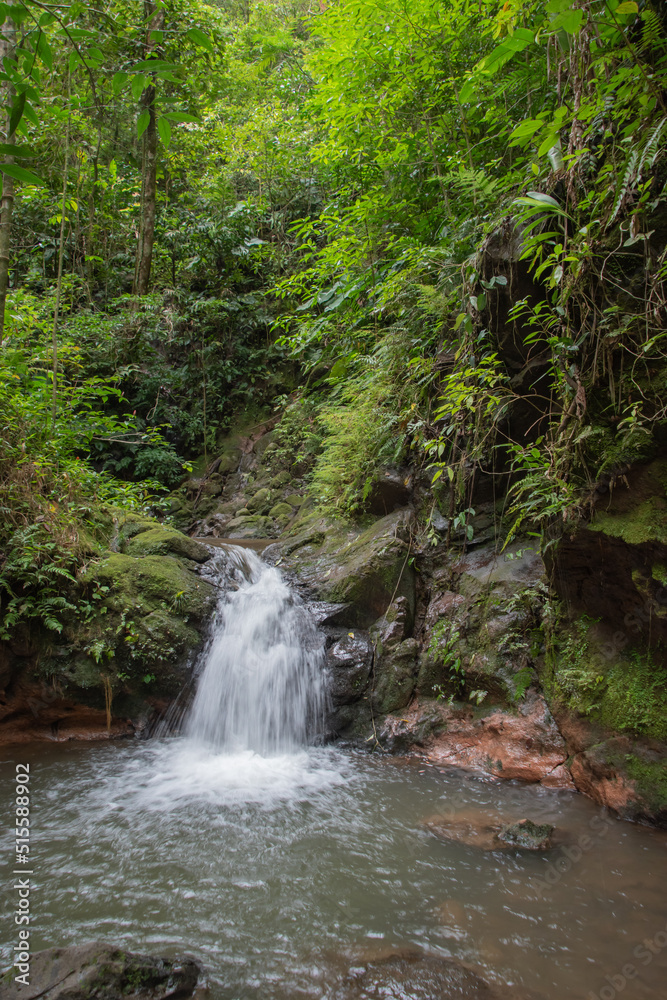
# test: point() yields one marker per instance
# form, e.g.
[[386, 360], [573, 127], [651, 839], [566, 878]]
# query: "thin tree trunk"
[[59, 285], [7, 49], [142, 269]]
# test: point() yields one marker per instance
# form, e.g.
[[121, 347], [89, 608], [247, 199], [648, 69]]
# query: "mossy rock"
[[281, 510], [250, 526], [229, 460], [100, 971], [260, 502], [295, 499], [148, 582], [365, 568], [161, 541], [645, 523], [128, 525]]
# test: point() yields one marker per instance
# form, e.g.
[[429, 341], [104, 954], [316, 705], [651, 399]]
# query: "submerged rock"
[[102, 972], [474, 829], [409, 974]]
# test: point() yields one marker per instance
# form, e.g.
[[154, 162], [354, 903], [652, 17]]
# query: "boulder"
[[162, 541], [100, 971], [349, 662], [260, 502], [366, 569], [281, 510], [524, 745], [527, 835], [395, 675]]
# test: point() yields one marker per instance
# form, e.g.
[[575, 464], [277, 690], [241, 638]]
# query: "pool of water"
[[271, 870]]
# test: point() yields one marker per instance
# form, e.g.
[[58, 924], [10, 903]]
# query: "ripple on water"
[[268, 869]]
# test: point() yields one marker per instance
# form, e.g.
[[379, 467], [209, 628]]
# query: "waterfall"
[[262, 685]]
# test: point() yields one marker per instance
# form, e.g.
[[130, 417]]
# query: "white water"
[[262, 687]]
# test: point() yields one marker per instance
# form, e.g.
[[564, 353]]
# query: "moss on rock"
[[160, 540]]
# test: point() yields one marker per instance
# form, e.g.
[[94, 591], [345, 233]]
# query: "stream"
[[277, 863]]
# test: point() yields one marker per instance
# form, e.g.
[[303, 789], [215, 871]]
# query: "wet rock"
[[444, 605], [476, 832], [250, 526], [409, 974], [326, 613], [395, 672], [474, 829], [439, 522], [627, 776], [524, 745], [349, 662], [102, 972], [527, 835], [393, 627], [613, 569], [484, 570]]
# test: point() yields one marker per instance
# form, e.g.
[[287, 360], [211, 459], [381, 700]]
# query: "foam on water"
[[174, 774]]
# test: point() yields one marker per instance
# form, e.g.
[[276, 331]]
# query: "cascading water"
[[262, 686]]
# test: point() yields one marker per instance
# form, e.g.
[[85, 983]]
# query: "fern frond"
[[628, 176]]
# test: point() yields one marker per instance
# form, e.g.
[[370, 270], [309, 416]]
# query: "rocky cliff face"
[[437, 643]]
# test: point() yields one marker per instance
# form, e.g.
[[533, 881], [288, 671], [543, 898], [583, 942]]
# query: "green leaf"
[[142, 122], [44, 50], [628, 7], [46, 20], [545, 199], [164, 130], [569, 21], [517, 42], [153, 65], [20, 174], [156, 36], [180, 116], [6, 149], [30, 114], [139, 84], [118, 82], [18, 107], [197, 36]]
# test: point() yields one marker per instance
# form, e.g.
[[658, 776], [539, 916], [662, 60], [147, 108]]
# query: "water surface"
[[268, 869]]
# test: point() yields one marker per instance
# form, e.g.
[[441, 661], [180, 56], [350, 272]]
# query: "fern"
[[652, 147], [652, 34], [628, 177]]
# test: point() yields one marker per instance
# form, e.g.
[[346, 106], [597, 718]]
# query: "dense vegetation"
[[427, 233]]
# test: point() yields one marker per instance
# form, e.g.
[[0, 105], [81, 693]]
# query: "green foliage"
[[443, 646], [33, 575], [625, 691]]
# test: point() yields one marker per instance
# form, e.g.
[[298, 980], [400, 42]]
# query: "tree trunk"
[[142, 268], [7, 49]]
